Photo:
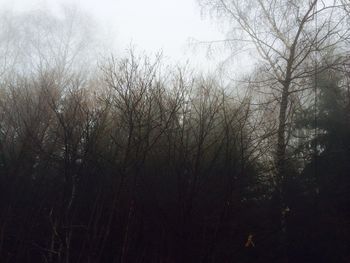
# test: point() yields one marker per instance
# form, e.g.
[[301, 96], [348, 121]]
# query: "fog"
[[204, 131], [173, 27]]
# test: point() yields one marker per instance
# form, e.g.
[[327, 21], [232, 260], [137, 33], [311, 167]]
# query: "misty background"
[[177, 28], [202, 131]]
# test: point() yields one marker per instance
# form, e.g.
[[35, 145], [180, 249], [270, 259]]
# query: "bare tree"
[[289, 37], [39, 41]]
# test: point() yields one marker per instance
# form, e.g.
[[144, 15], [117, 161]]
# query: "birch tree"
[[290, 38]]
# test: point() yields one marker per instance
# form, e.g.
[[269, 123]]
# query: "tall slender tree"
[[288, 37]]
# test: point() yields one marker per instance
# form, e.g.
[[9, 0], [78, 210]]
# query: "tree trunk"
[[281, 168]]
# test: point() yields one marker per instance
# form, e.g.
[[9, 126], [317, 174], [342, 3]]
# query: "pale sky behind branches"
[[150, 26]]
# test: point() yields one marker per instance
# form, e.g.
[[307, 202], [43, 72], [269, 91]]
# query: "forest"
[[124, 158]]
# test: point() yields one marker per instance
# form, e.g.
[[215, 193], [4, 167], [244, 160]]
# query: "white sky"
[[150, 25]]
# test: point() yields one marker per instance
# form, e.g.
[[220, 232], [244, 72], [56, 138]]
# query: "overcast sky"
[[150, 25]]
